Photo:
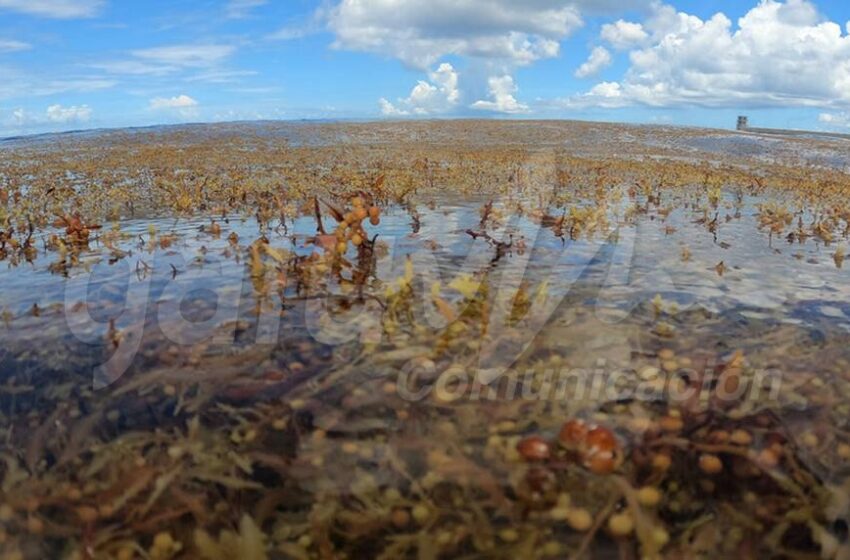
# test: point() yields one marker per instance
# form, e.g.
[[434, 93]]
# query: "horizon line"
[[358, 120]]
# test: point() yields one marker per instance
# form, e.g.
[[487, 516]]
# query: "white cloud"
[[835, 119], [19, 117], [170, 59], [608, 95], [420, 33], [9, 45], [52, 87], [186, 56], [439, 95], [238, 9], [290, 33], [604, 7], [390, 110], [780, 54], [16, 83], [134, 68], [180, 106], [608, 90], [502, 90], [177, 102], [221, 76], [624, 34], [301, 27], [53, 115], [58, 9], [496, 36], [59, 114], [599, 58]]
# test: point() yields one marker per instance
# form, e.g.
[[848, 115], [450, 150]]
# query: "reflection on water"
[[632, 262]]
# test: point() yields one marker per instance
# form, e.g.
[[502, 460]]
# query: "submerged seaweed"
[[348, 341]]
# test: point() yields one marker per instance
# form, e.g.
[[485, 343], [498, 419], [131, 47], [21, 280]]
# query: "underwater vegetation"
[[422, 340]]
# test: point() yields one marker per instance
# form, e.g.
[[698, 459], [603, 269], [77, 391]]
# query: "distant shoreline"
[[810, 134], [169, 126]]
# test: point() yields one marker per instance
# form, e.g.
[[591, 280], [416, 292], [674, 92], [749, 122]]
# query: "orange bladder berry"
[[596, 446], [767, 458], [600, 438], [710, 464], [741, 437], [600, 462], [534, 448], [573, 434]]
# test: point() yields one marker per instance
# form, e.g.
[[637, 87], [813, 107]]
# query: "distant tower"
[[743, 123]]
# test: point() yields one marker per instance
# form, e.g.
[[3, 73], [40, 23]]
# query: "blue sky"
[[71, 64]]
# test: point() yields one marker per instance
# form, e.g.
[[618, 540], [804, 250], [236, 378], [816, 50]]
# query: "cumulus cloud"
[[177, 102], [493, 36], [438, 95], [599, 58], [59, 114], [54, 114], [608, 95], [624, 34], [57, 9], [420, 33], [9, 45], [502, 100], [390, 110], [780, 54]]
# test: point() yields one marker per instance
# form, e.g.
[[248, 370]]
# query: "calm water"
[[180, 375]]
